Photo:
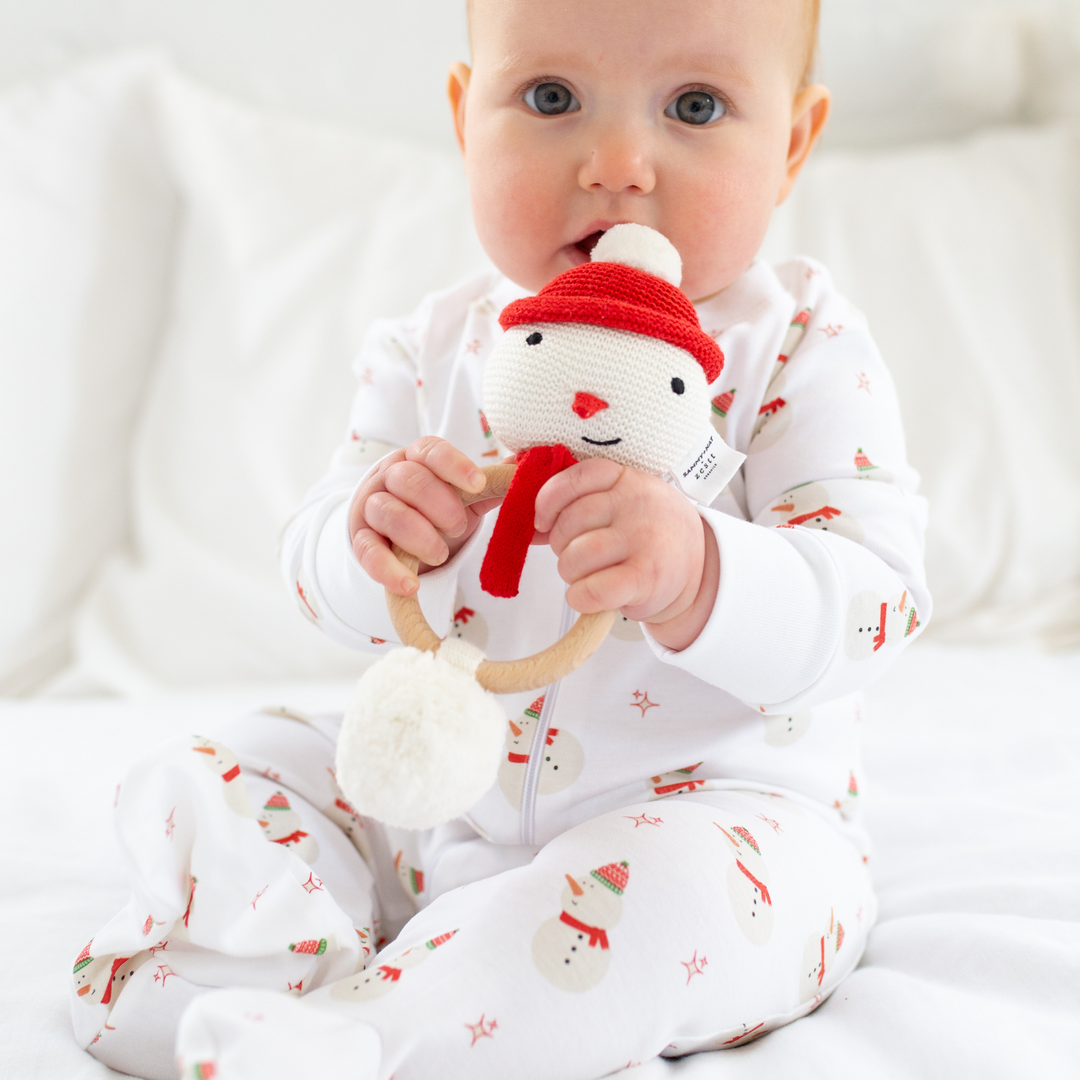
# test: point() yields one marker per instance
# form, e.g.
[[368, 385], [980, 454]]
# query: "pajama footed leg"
[[254, 1034], [228, 890], [666, 928]]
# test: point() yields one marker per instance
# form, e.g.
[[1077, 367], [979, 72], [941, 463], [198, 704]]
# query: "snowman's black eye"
[[534, 339], [678, 385]]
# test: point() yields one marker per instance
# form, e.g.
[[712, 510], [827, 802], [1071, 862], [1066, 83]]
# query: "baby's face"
[[677, 114]]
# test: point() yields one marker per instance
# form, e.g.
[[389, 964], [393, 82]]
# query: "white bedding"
[[973, 970]]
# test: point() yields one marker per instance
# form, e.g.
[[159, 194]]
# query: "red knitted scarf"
[[500, 573]]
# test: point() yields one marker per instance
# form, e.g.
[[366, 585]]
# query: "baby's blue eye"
[[551, 99], [696, 107]]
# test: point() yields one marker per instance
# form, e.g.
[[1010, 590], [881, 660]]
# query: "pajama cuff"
[[777, 619]]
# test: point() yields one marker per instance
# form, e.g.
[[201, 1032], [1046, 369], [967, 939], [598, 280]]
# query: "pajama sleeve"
[[824, 584], [317, 558]]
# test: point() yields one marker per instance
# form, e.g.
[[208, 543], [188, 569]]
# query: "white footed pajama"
[[693, 921], [671, 858]]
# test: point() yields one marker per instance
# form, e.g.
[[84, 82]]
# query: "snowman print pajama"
[[671, 859]]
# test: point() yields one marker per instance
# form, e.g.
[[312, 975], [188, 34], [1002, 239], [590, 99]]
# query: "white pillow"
[[86, 216], [965, 259], [294, 236]]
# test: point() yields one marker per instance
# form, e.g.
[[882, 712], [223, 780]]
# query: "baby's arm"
[[387, 480], [785, 609]]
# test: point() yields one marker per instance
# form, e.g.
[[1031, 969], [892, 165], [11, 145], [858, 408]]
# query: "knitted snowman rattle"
[[608, 360]]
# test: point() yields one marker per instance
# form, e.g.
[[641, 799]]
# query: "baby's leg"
[[664, 928], [238, 880]]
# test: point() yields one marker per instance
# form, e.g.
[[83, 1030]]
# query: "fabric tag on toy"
[[706, 470]]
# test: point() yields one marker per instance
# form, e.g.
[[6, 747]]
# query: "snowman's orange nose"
[[586, 405]]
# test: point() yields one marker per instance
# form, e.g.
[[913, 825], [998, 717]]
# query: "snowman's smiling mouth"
[[600, 442]]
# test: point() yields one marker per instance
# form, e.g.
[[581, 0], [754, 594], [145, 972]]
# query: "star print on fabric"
[[366, 377], [170, 825], [830, 330], [714, 334], [162, 973], [864, 382], [313, 884], [811, 272], [272, 774], [694, 966], [641, 700], [644, 819], [772, 823], [482, 1029], [257, 895], [473, 347], [161, 946], [298, 987]]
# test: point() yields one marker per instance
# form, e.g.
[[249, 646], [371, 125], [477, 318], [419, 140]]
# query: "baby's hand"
[[628, 541], [408, 500]]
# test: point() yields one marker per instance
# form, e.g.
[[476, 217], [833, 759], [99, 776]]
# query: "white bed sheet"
[[974, 969]]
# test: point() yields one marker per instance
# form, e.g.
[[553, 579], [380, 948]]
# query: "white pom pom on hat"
[[643, 249]]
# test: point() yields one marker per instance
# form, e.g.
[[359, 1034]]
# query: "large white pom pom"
[[421, 741], [642, 248]]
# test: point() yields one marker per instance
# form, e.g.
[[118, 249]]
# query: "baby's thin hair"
[[811, 17]]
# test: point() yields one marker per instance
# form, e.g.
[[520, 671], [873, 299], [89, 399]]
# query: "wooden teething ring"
[[501, 676]]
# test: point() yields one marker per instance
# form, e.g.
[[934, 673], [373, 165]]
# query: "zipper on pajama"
[[536, 757]]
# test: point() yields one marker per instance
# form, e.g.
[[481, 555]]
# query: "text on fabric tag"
[[706, 470]]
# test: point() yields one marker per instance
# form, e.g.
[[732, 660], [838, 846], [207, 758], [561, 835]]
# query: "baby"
[[671, 860]]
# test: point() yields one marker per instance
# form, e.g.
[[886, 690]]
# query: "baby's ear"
[[457, 88], [809, 114]]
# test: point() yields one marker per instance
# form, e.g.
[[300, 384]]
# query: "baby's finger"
[[590, 553], [379, 563], [607, 590], [372, 483], [584, 515], [417, 486], [406, 527], [447, 462], [584, 478]]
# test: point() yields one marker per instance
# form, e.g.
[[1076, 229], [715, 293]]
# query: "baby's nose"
[[586, 405]]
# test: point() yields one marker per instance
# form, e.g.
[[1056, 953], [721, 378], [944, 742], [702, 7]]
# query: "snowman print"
[[561, 763], [378, 981], [748, 886], [221, 761], [808, 505], [412, 879], [342, 813], [98, 980], [281, 824], [677, 782], [820, 951], [774, 418], [874, 622], [467, 624], [572, 951], [786, 728]]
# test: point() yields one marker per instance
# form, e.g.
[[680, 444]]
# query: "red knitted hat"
[[630, 284], [614, 876]]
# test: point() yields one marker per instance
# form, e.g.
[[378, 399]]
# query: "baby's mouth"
[[586, 245]]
